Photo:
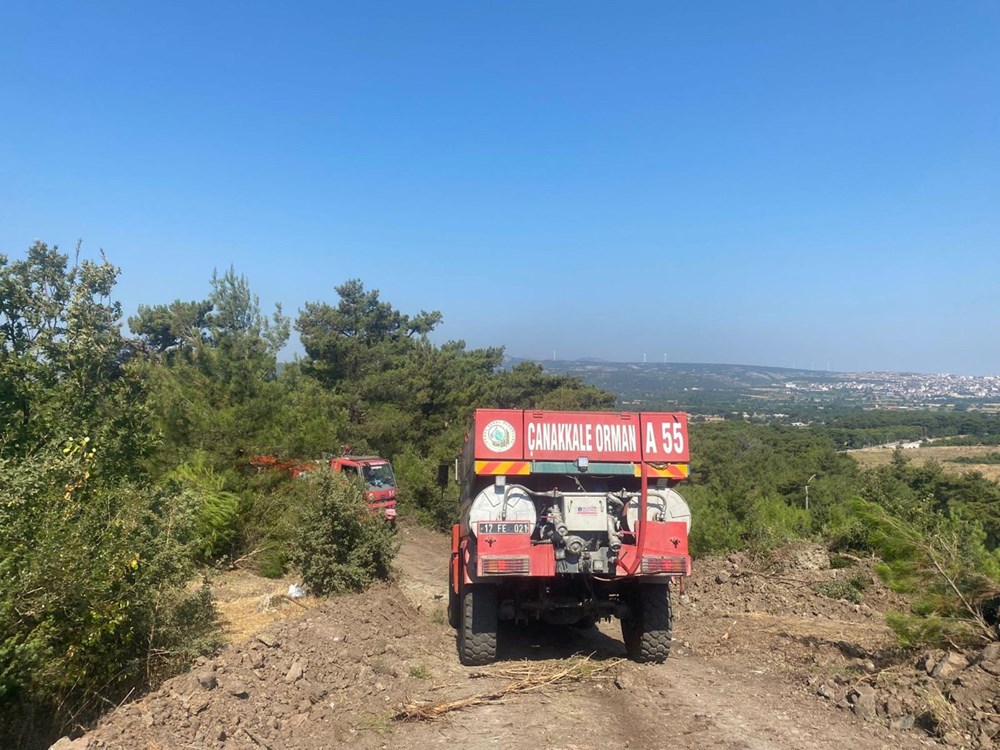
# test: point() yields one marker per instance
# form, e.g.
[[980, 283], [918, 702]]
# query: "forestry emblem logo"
[[499, 436]]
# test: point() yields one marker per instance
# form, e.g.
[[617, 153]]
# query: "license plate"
[[504, 527]]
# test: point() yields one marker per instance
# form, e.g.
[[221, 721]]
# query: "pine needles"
[[944, 562]]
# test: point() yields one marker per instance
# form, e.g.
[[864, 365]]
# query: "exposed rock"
[[863, 702], [238, 690], [256, 659], [928, 662], [295, 672], [825, 691], [949, 666], [811, 557], [269, 639], [989, 659], [902, 723], [624, 681], [67, 744], [207, 680]]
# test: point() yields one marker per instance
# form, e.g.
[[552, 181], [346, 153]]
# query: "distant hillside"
[[722, 388]]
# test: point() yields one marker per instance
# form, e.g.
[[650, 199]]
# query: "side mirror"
[[443, 475]]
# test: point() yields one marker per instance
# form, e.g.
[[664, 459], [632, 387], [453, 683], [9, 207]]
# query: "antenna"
[[644, 357], [553, 355]]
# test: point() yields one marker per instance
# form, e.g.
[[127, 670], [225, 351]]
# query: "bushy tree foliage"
[[215, 384], [94, 555], [910, 491], [178, 326], [341, 545], [64, 367], [411, 400], [95, 599], [360, 336], [930, 530], [748, 482]]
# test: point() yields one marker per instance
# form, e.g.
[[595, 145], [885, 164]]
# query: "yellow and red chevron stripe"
[[519, 468], [668, 471]]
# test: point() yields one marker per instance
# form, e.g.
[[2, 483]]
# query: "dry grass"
[[942, 711], [870, 457], [527, 678], [249, 604]]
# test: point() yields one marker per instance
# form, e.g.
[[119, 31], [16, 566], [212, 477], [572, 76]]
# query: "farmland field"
[[945, 455]]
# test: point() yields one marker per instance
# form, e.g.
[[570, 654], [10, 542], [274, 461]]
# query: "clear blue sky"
[[773, 183]]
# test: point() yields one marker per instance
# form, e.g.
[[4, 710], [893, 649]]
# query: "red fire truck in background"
[[374, 474], [568, 517]]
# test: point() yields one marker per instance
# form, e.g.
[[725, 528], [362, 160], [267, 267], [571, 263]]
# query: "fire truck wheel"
[[648, 631], [477, 634]]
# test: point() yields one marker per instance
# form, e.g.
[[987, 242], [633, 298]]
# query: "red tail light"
[[504, 565], [675, 565]]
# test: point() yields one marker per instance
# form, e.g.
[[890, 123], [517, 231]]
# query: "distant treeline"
[[866, 428], [982, 459], [749, 486]]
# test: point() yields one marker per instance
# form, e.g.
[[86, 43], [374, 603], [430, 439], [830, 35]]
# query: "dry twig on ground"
[[527, 678]]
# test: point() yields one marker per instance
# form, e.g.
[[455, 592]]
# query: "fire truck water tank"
[[663, 502], [501, 503]]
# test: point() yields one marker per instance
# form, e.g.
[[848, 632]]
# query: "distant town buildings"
[[890, 390]]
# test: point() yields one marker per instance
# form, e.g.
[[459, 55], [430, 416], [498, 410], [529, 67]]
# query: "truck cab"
[[375, 475]]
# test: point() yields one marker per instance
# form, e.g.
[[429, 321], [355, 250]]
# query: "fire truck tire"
[[649, 630], [477, 633]]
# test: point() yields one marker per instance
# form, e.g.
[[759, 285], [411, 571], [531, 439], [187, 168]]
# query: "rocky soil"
[[765, 656]]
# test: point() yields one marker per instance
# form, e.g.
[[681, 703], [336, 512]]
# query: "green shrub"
[[95, 601], [713, 527], [852, 589], [839, 562], [216, 508], [846, 532], [267, 521], [341, 545], [419, 493], [772, 523], [272, 560]]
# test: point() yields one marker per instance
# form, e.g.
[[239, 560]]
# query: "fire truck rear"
[[569, 517]]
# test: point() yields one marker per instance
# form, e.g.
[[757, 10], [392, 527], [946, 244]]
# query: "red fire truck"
[[569, 517], [374, 473]]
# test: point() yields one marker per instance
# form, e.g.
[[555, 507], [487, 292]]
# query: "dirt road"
[[738, 698], [760, 661]]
